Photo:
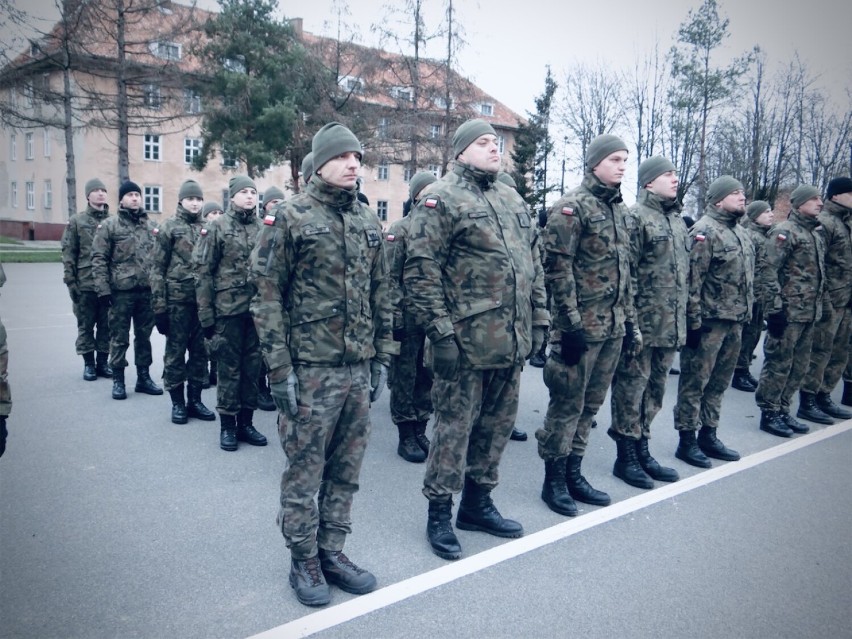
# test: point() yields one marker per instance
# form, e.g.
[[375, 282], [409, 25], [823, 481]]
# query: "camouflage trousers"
[[474, 416], [705, 373], [127, 306], [237, 351], [638, 387], [5, 389], [751, 336], [785, 362], [576, 394], [324, 445], [410, 382], [829, 352], [184, 337], [92, 324]]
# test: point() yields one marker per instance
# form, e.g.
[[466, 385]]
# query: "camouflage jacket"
[[757, 234], [588, 261], [659, 262], [473, 269], [222, 258], [172, 268], [121, 252], [795, 258], [396, 250], [77, 247], [322, 284], [836, 222], [721, 269]]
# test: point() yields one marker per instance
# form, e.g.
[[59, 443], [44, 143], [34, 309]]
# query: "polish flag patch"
[[390, 237], [430, 202], [155, 231], [781, 237], [203, 231], [567, 210], [269, 220], [700, 237]]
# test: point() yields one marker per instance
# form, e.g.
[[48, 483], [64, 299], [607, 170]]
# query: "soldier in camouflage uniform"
[[210, 212], [121, 253], [830, 349], [793, 288], [721, 294], [5, 389], [175, 311], [92, 317], [410, 382], [659, 262], [475, 283], [588, 267], [757, 220], [223, 293], [323, 315]]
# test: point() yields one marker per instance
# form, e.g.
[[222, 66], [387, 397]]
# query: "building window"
[[166, 50], [501, 144], [435, 170], [351, 84], [30, 196], [151, 147], [46, 143], [153, 99], [191, 101], [382, 210], [191, 149], [403, 93], [29, 146], [382, 129], [486, 109], [13, 195], [408, 173], [435, 131], [152, 199], [226, 199], [228, 159], [441, 102], [48, 194], [383, 171], [13, 147], [236, 65]]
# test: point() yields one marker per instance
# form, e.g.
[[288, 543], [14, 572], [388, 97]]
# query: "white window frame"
[[227, 160], [486, 108], [13, 194], [152, 147], [351, 84], [435, 170], [191, 149], [172, 51], [383, 128], [29, 146], [191, 101], [407, 173], [382, 210], [235, 65], [152, 96], [47, 143], [441, 102], [435, 131], [30, 195], [48, 194], [13, 147], [501, 144], [403, 93], [383, 171], [152, 199]]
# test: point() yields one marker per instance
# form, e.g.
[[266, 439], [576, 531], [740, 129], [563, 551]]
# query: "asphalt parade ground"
[[116, 523]]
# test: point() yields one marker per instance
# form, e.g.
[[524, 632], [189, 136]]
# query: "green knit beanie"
[[332, 140], [209, 207], [190, 188], [421, 180], [469, 132], [601, 147], [722, 187], [802, 194], [507, 179], [238, 183], [307, 167], [756, 208], [94, 184], [272, 193], [652, 168]]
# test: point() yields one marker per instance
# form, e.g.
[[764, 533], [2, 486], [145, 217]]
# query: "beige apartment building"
[[166, 134]]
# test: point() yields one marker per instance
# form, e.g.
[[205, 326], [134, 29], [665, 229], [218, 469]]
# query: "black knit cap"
[[128, 187], [838, 186]]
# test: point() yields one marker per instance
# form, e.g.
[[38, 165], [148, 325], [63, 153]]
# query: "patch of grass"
[[9, 240], [30, 256]]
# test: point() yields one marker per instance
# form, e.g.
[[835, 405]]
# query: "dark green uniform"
[[754, 326]]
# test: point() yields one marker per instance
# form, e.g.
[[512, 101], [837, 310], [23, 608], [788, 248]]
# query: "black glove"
[[573, 345], [3, 434], [161, 321], [776, 323], [105, 300], [399, 334], [74, 293], [209, 331], [693, 336], [445, 357]]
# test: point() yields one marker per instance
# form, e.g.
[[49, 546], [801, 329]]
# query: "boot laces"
[[345, 561], [314, 570]]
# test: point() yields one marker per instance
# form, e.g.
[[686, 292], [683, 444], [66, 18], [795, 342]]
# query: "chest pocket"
[[660, 245]]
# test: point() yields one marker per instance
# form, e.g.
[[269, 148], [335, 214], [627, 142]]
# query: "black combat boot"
[[554, 492], [89, 371], [651, 465], [179, 415], [228, 434], [340, 571], [793, 424], [308, 582], [245, 429], [144, 383], [194, 407], [420, 436], [742, 380], [772, 423], [809, 410], [439, 529], [540, 358], [846, 400], [626, 465], [408, 448], [102, 367], [579, 488], [518, 435], [713, 447], [688, 450], [827, 406], [118, 390], [264, 395], [477, 512]]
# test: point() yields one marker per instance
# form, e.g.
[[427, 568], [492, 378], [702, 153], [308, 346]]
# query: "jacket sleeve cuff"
[[439, 329]]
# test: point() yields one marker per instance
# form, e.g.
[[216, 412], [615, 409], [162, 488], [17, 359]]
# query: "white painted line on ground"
[[359, 606]]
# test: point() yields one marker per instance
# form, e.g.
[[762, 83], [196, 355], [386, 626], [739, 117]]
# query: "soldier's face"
[[97, 198], [611, 169], [766, 218], [812, 207], [132, 200], [665, 185], [482, 154], [342, 171], [192, 204], [245, 198], [268, 206], [212, 215], [843, 199], [733, 202]]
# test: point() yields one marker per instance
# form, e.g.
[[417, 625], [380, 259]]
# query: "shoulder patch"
[[269, 219], [567, 210], [430, 202], [781, 237], [390, 237], [204, 231], [155, 231], [700, 237]]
